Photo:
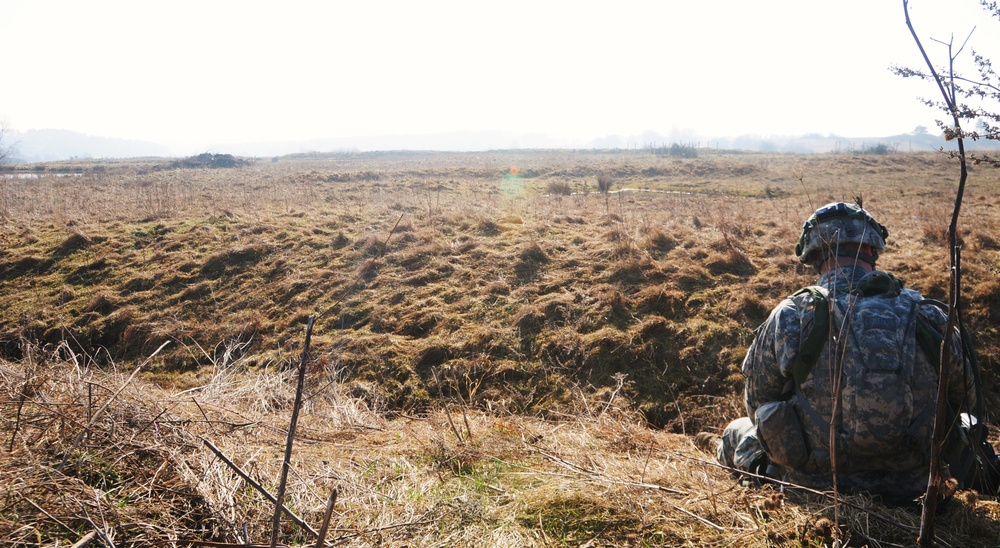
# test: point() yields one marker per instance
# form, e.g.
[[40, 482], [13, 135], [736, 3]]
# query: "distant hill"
[[48, 145], [495, 140], [458, 141]]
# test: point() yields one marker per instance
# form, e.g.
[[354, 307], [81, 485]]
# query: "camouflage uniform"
[[885, 409]]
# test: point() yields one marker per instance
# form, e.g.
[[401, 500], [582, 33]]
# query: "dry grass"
[[144, 475], [510, 366]]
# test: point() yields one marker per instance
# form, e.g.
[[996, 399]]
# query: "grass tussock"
[[495, 360]]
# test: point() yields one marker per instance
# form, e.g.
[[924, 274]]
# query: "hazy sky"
[[192, 72]]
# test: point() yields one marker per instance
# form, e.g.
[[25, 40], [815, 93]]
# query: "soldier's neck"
[[838, 262]]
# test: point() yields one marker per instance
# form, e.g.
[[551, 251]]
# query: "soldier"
[[857, 354]]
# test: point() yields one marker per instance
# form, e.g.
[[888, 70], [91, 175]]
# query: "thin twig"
[[444, 405], [86, 540], [465, 419], [211, 544], [260, 488], [465, 406], [604, 477], [620, 378], [48, 515], [695, 516], [90, 400], [378, 529], [326, 518], [17, 420], [838, 386], [202, 411], [103, 531], [148, 424], [680, 412], [285, 464], [929, 510], [100, 411], [645, 465]]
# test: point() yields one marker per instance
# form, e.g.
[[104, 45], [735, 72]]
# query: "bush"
[[208, 159], [683, 151], [879, 149], [560, 188]]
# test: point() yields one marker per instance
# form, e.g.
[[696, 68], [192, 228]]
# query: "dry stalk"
[[20, 405], [260, 489], [620, 380], [210, 544], [602, 477], [48, 515], [321, 538], [465, 407], [93, 419], [354, 533], [86, 540], [444, 406], [286, 462]]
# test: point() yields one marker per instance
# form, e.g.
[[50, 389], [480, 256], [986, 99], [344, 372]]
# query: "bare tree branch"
[[946, 85], [7, 147]]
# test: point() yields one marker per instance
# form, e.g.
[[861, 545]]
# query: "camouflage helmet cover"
[[835, 225]]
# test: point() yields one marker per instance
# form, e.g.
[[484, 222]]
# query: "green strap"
[[928, 337], [810, 349]]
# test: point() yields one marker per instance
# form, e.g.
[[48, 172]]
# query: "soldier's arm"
[[767, 363]]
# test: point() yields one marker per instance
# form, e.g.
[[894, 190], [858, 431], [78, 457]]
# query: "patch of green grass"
[[578, 519]]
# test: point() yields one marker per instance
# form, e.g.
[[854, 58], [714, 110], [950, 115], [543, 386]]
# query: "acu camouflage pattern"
[[887, 386], [822, 238]]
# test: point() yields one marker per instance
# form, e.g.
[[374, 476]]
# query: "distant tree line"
[[675, 150]]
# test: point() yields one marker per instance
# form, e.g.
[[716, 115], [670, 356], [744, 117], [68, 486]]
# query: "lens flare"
[[512, 186]]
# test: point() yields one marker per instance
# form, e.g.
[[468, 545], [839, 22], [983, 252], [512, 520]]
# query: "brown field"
[[502, 354]]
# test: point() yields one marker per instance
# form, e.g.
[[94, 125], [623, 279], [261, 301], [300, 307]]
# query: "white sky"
[[183, 72]]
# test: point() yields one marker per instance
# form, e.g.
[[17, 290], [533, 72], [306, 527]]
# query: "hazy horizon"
[[47, 145]]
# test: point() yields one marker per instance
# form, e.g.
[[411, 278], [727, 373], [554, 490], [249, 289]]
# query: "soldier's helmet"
[[839, 229]]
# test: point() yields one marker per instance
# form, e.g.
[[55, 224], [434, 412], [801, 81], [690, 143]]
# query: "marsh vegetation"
[[511, 348]]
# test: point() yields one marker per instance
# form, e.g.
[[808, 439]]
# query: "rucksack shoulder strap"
[[810, 348], [928, 337]]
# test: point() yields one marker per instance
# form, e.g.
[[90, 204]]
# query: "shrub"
[[207, 159], [683, 151], [879, 149], [559, 188]]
